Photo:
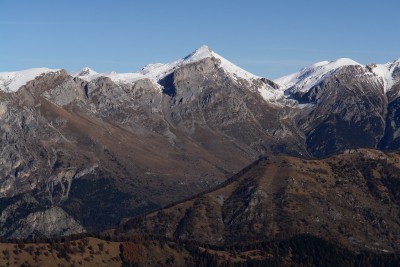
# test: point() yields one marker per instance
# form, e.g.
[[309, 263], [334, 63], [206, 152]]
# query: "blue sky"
[[267, 38]]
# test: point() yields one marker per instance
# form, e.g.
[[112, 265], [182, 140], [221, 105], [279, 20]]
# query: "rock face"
[[24, 216], [351, 198], [391, 139], [52, 222], [349, 112], [104, 147]]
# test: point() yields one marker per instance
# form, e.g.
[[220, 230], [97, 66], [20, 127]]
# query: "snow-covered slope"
[[88, 74], [272, 95], [12, 81], [228, 66], [309, 76], [386, 72]]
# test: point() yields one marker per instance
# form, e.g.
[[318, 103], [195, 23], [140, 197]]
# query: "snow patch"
[[386, 73], [129, 77], [271, 95], [383, 72], [12, 81]]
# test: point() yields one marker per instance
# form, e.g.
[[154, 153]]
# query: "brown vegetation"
[[351, 198]]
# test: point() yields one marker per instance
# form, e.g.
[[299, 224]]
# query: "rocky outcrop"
[[52, 222]]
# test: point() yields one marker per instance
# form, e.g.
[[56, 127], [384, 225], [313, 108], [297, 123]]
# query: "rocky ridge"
[[351, 198]]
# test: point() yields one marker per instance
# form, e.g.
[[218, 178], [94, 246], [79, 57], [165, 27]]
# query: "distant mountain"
[[310, 76], [98, 148]]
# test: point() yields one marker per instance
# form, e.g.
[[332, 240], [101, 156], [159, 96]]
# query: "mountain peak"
[[340, 62], [86, 71], [200, 53], [86, 74], [205, 52], [204, 47]]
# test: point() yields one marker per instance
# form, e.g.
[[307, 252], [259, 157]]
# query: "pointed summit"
[[205, 52], [86, 74], [158, 71], [200, 53]]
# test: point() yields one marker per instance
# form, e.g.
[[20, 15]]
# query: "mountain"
[[98, 148], [349, 102], [312, 75], [351, 198], [105, 149]]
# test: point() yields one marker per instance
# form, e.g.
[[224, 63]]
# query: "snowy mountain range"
[[158, 71], [300, 81]]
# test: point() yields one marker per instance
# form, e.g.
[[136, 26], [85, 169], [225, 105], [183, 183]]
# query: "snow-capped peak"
[[158, 71], [200, 53], [86, 72], [309, 76], [205, 52], [12, 81]]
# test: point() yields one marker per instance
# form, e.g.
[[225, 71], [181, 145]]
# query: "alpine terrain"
[[85, 152]]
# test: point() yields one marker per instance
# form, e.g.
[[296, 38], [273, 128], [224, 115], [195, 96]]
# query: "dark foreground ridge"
[[142, 250]]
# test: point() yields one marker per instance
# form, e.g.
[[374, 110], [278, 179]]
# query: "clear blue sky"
[[267, 38]]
